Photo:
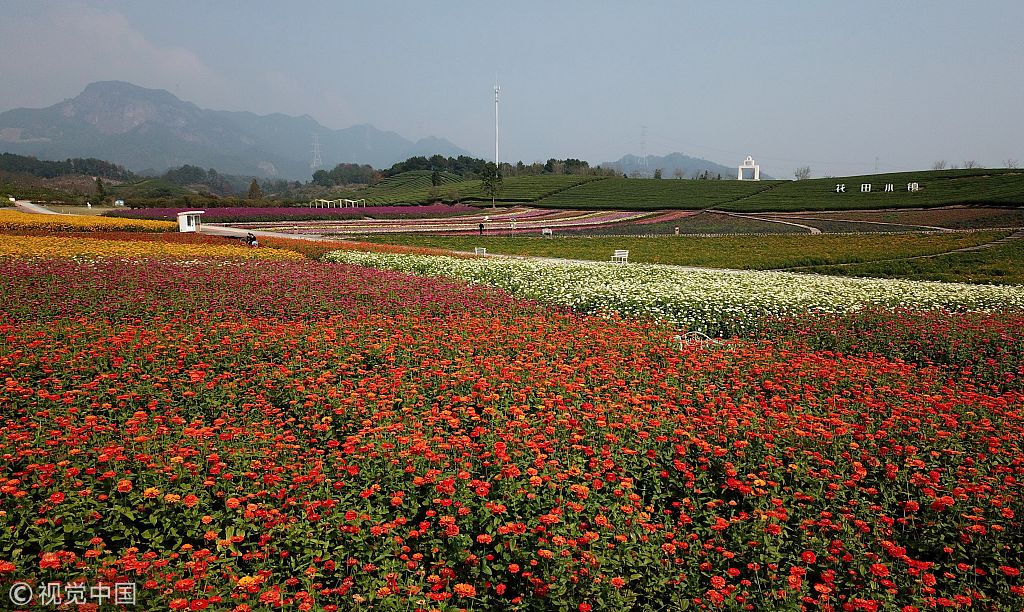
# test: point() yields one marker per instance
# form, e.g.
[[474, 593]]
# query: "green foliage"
[[650, 194], [490, 182], [1002, 264], [735, 252], [255, 193], [37, 194], [21, 164], [148, 189], [346, 174], [937, 188], [417, 187], [192, 176]]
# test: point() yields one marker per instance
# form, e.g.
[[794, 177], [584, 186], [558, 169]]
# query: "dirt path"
[[29, 207], [927, 227], [810, 230]]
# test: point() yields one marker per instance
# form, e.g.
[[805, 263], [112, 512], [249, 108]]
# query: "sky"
[[842, 87]]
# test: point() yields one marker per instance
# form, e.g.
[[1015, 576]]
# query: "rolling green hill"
[[935, 188], [1002, 187], [414, 187], [654, 194]]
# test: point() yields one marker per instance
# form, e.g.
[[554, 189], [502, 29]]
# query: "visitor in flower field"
[[250, 240]]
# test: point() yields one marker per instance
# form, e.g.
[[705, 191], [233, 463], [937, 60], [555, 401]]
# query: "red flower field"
[[257, 435]]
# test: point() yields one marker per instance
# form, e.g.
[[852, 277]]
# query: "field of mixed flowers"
[[232, 433], [299, 213], [715, 302]]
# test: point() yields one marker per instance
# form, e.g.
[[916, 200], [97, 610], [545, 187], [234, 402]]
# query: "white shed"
[[189, 220]]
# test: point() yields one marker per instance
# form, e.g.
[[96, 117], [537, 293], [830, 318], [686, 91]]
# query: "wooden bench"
[[620, 256]]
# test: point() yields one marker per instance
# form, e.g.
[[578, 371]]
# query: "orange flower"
[[124, 485], [618, 582], [151, 492], [233, 502], [464, 590], [49, 561]]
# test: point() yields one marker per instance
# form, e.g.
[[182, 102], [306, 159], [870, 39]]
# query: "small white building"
[[749, 171], [189, 220]]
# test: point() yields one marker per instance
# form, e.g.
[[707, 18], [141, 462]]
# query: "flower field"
[[517, 220], [13, 220], [716, 302], [66, 246], [298, 213], [235, 434]]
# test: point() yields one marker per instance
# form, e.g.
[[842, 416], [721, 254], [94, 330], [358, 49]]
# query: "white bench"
[[480, 250], [547, 232], [620, 256]]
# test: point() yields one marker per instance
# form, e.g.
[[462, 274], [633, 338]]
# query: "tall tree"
[[490, 181], [255, 193], [802, 173]]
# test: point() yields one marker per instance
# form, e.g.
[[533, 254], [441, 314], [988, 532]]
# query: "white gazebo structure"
[[339, 203], [189, 220], [749, 171]]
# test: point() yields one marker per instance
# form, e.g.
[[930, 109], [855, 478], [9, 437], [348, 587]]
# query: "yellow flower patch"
[[62, 246], [21, 221]]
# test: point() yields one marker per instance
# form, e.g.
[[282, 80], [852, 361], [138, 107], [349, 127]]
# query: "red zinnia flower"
[[879, 570], [808, 557], [49, 561]]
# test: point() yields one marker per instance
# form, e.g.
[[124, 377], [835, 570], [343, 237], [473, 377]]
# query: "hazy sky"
[[828, 84]]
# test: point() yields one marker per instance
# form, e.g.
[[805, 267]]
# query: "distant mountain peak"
[[688, 166], [143, 128]]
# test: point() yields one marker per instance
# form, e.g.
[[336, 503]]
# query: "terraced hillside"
[[935, 188], [415, 188], [651, 194]]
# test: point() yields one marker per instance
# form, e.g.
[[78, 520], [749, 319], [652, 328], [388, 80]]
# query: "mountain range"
[[151, 130]]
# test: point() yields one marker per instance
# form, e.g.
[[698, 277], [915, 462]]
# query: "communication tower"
[[317, 163]]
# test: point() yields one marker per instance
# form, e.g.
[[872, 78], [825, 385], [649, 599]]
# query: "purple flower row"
[[299, 213]]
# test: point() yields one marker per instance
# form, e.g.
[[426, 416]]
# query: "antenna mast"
[[496, 90]]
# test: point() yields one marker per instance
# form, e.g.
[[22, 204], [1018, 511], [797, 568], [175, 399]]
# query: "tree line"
[[24, 164]]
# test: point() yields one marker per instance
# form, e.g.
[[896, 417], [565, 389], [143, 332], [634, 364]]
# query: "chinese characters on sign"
[[62, 594], [888, 188]]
